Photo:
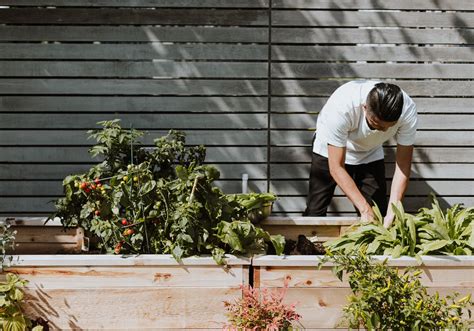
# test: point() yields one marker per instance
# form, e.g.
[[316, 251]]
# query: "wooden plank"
[[138, 3], [370, 70], [139, 121], [81, 154], [133, 16], [343, 204], [413, 88], [309, 277], [423, 105], [133, 34], [46, 248], [80, 137], [419, 170], [415, 188], [132, 86], [139, 308], [132, 104], [151, 277], [52, 171], [420, 154], [148, 51], [425, 121], [331, 18], [52, 235], [289, 138], [371, 36], [34, 188], [126, 69], [155, 260], [375, 4], [369, 53]]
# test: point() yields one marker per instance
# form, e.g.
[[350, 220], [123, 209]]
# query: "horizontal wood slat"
[[412, 87], [425, 121], [423, 105], [375, 4], [81, 155], [371, 36], [133, 34], [371, 53], [147, 51], [133, 16], [371, 19], [124, 69], [54, 171], [422, 171], [415, 188], [139, 121], [132, 86], [369, 70], [290, 141], [132, 104], [69, 137], [420, 154], [139, 3]]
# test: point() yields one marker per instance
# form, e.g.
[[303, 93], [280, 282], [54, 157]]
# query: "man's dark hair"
[[386, 101]]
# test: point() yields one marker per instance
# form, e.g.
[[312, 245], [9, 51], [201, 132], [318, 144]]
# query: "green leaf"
[[278, 241], [433, 246]]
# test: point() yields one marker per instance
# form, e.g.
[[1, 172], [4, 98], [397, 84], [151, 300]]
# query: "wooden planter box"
[[132, 293], [321, 296], [323, 228], [36, 236]]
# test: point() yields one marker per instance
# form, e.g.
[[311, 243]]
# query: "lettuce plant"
[[429, 232]]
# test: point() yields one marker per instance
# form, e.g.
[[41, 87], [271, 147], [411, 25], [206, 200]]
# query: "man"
[[351, 128]]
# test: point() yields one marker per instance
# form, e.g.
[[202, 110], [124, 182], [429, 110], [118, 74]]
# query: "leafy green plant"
[[159, 200], [383, 298], [11, 297], [428, 232], [261, 310], [258, 205]]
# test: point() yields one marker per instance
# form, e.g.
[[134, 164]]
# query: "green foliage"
[[385, 299], [11, 297], [429, 232], [7, 238], [159, 201]]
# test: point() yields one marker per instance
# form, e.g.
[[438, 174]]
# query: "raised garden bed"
[[136, 292], [321, 296]]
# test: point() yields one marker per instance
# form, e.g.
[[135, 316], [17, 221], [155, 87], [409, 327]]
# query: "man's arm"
[[336, 159], [401, 177]]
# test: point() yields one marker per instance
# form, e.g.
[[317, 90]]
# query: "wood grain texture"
[[139, 3], [133, 16], [375, 4]]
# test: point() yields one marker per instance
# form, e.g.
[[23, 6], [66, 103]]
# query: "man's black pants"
[[369, 178]]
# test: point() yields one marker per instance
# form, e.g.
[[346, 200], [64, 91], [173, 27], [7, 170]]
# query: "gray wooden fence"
[[244, 77]]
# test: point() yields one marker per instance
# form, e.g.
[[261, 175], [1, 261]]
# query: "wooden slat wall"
[[244, 77], [199, 66]]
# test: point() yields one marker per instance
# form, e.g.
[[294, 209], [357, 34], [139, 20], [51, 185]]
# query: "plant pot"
[[259, 214]]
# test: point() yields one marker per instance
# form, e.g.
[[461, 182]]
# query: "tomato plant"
[[159, 200]]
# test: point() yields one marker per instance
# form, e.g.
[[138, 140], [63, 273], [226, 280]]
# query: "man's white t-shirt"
[[342, 123]]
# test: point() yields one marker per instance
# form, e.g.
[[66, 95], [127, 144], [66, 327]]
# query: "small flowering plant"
[[261, 310]]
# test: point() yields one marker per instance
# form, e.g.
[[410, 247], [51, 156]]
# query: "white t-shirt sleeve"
[[338, 127], [406, 133]]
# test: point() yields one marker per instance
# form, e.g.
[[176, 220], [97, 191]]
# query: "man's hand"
[[388, 220], [367, 215]]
